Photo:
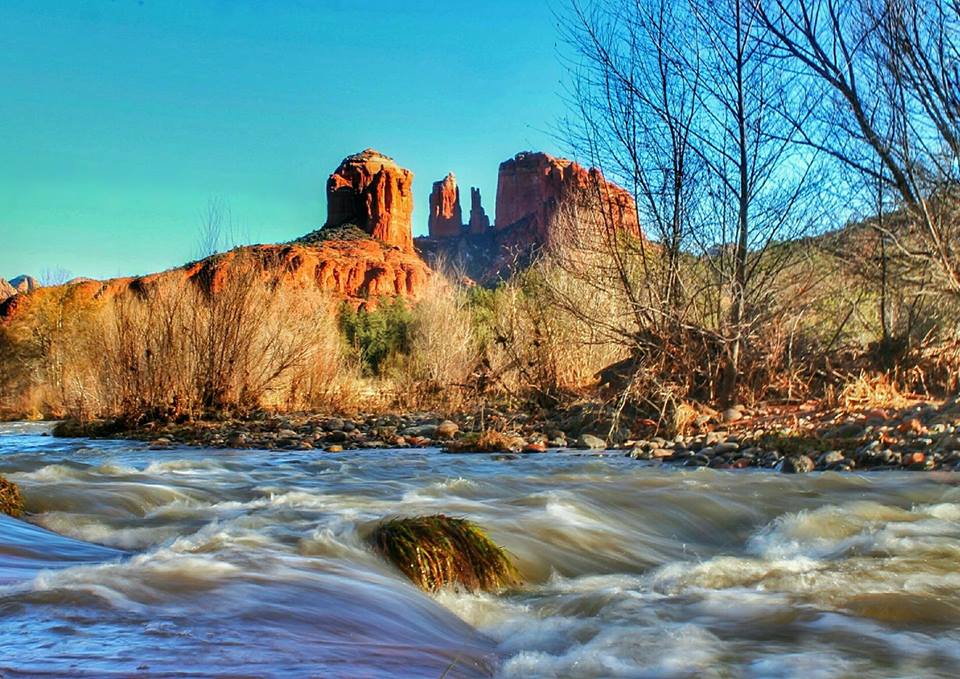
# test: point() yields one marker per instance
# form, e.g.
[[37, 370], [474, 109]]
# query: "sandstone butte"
[[368, 190], [446, 215], [371, 191], [479, 221], [6, 290], [358, 272], [531, 187]]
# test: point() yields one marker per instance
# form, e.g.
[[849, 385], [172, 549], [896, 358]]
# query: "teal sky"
[[123, 119]]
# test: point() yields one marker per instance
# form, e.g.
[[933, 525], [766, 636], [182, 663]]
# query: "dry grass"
[[439, 551], [443, 348], [871, 391]]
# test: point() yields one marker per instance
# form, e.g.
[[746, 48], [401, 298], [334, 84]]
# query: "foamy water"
[[245, 563]]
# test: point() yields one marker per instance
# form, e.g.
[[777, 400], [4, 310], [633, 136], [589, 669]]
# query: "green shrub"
[[377, 335]]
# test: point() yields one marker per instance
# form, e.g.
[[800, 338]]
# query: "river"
[[209, 563]]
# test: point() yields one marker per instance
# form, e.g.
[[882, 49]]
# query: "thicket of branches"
[[742, 127]]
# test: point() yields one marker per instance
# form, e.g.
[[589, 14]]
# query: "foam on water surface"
[[243, 562]]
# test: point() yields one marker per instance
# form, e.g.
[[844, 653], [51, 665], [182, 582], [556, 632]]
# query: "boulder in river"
[[11, 501], [591, 442], [438, 551], [796, 464]]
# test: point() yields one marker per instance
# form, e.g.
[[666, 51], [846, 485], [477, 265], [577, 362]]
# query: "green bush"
[[378, 335]]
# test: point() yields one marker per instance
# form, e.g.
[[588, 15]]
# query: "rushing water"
[[247, 563]]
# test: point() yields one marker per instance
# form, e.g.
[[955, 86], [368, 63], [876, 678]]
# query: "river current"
[[210, 563]]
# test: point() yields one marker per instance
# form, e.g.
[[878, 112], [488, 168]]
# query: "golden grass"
[[872, 391]]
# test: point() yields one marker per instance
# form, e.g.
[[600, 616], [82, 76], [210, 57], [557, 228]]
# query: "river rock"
[[446, 430], [591, 442], [796, 464], [830, 457], [732, 415]]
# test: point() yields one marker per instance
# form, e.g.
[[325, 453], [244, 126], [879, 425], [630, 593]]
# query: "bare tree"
[[890, 74], [686, 104], [217, 230]]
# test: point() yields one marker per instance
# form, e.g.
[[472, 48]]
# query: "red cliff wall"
[[372, 191], [531, 187], [446, 215]]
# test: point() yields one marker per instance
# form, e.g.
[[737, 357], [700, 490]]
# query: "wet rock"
[[535, 447], [11, 501], [423, 430], [829, 458], [796, 464], [336, 436], [446, 430], [335, 448], [591, 442]]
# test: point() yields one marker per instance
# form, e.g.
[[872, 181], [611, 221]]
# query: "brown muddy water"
[[203, 563]]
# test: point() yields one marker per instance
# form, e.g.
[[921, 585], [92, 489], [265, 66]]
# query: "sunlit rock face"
[[446, 215], [6, 290], [479, 221], [533, 187], [370, 190]]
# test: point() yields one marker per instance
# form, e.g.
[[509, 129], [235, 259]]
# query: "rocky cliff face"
[[446, 215], [479, 221], [370, 190], [357, 272], [24, 283], [6, 290], [532, 187], [532, 190]]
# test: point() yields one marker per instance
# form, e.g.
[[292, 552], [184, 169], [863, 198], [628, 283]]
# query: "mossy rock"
[[88, 429], [439, 551], [11, 501]]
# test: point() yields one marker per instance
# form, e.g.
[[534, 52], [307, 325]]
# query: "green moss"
[[437, 551], [11, 501]]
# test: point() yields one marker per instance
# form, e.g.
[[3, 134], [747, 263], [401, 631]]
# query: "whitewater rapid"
[[203, 563]]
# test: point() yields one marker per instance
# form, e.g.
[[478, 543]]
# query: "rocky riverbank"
[[922, 436]]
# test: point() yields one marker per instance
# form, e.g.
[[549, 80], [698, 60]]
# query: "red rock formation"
[[24, 283], [358, 272], [446, 216], [372, 191], [532, 186], [479, 221], [6, 290]]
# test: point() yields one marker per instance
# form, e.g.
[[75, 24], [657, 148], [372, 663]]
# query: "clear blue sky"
[[122, 119]]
